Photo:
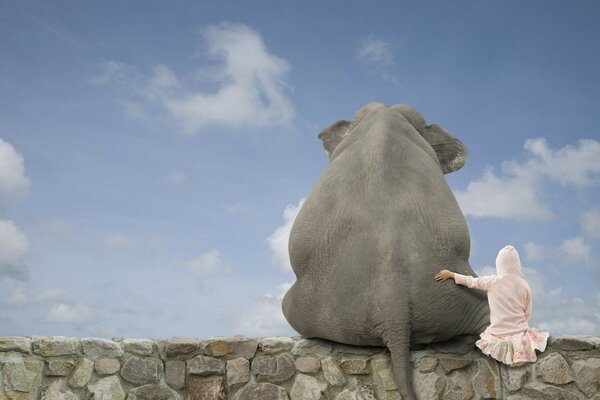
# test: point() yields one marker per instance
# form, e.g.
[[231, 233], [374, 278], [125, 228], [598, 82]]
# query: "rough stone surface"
[[587, 375], [276, 368], [238, 372], [204, 366], [54, 346], [262, 391], [304, 347], [175, 374], [307, 387], [428, 385], [178, 347], [426, 364], [542, 391], [58, 390], [355, 366], [222, 346], [82, 374], [138, 370], [59, 368], [140, 347], [513, 378], [570, 342], [107, 366], [460, 386], [107, 389], [308, 364], [487, 378], [212, 388], [276, 344], [332, 372], [20, 375], [383, 379], [450, 363], [554, 369], [152, 392], [15, 343], [94, 348]]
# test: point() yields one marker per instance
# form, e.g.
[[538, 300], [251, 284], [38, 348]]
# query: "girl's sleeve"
[[528, 305], [481, 282]]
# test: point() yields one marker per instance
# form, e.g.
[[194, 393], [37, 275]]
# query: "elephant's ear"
[[333, 135], [450, 151]]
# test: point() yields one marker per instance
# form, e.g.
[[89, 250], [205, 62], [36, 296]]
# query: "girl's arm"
[[482, 282]]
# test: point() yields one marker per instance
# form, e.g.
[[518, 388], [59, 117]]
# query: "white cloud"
[[278, 241], [265, 316], [574, 250], [176, 177], [515, 195], [535, 252], [375, 51], [590, 223], [554, 311], [118, 241], [62, 313], [13, 181], [206, 264], [252, 86], [13, 248]]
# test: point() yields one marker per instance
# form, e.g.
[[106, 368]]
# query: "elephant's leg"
[[397, 339]]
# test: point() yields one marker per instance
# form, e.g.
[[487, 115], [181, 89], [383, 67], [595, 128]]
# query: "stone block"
[[273, 369], [307, 387], [587, 375], [175, 374], [238, 372], [51, 346], [553, 368], [108, 388], [262, 391], [308, 364], [82, 374], [205, 366], [59, 367], [201, 388], [94, 348], [141, 370]]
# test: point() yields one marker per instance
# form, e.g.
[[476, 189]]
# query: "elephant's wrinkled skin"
[[374, 230]]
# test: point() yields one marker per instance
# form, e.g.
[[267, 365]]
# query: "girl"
[[508, 338]]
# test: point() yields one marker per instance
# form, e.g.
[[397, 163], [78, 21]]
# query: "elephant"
[[375, 228]]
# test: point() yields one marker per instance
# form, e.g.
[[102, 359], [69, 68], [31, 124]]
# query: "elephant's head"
[[451, 152]]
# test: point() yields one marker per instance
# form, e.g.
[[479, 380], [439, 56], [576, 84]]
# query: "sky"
[[154, 154]]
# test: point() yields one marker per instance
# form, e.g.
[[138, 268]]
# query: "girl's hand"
[[443, 275]]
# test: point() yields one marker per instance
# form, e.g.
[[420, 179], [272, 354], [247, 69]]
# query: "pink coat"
[[509, 294]]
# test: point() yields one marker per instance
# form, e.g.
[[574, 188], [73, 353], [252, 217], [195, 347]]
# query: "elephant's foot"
[[398, 342]]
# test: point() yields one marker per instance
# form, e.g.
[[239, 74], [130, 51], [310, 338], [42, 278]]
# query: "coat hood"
[[508, 262]]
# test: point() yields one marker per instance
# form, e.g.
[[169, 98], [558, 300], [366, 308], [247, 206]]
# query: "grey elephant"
[[376, 227]]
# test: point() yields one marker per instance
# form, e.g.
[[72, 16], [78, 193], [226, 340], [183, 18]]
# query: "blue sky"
[[153, 155]]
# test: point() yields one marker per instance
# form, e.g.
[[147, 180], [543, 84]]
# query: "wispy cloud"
[[176, 177], [535, 252], [575, 250], [590, 223], [13, 181], [377, 54], [206, 264], [252, 85], [62, 313], [265, 316], [515, 193], [13, 248], [278, 240], [375, 51]]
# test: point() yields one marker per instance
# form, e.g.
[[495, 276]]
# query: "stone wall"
[[58, 367]]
